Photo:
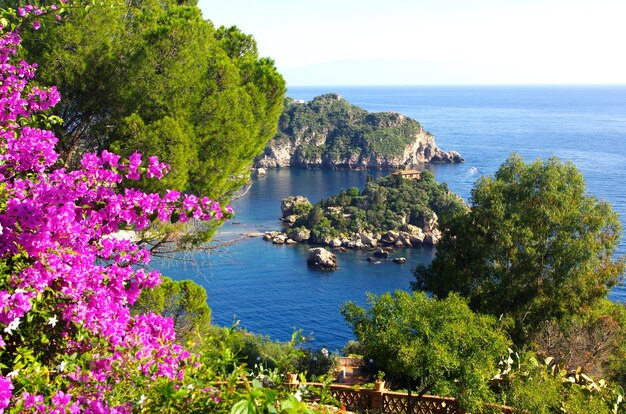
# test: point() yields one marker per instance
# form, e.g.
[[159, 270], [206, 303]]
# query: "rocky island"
[[329, 132], [399, 210]]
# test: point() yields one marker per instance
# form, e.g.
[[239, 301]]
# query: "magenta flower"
[[57, 232], [5, 392]]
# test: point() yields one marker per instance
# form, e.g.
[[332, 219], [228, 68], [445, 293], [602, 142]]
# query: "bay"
[[270, 290]]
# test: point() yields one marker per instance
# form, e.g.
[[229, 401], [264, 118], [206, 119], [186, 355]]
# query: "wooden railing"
[[389, 402]]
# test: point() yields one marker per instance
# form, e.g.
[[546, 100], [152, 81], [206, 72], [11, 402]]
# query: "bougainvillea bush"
[[68, 342]]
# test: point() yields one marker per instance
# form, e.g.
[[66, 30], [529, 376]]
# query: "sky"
[[434, 42]]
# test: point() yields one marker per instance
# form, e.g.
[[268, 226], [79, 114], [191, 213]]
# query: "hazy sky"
[[421, 42]]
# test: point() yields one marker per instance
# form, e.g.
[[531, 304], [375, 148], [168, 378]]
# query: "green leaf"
[[175, 217], [243, 407]]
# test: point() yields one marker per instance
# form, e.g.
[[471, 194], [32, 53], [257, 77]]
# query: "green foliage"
[[155, 77], [168, 138], [183, 301], [353, 349], [282, 356], [545, 387], [534, 246], [317, 364], [383, 205], [301, 209], [232, 346], [439, 345], [350, 130]]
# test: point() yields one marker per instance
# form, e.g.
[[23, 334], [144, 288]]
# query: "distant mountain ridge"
[[329, 132]]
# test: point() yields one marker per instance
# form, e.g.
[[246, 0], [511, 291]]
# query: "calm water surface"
[[270, 290]]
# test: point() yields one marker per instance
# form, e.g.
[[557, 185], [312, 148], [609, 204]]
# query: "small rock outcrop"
[[399, 260], [279, 239], [368, 240], [300, 234], [288, 204], [322, 259], [381, 253]]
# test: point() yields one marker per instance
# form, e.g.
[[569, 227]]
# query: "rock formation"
[[322, 259], [328, 132], [288, 204]]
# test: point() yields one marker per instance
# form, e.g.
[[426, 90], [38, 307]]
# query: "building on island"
[[408, 174]]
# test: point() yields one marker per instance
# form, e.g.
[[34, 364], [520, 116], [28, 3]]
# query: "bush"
[[317, 363]]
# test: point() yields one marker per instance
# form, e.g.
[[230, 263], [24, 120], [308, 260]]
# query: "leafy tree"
[[439, 345], [184, 301], [534, 246], [154, 75]]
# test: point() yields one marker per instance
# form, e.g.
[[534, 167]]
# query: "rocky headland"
[[329, 132]]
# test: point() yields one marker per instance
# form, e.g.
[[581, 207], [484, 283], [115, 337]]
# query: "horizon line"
[[426, 85]]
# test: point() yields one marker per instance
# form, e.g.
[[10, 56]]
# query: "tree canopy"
[[184, 301], [534, 246], [155, 77], [441, 346]]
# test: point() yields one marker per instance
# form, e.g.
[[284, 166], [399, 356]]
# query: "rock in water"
[[381, 253], [322, 259], [400, 260]]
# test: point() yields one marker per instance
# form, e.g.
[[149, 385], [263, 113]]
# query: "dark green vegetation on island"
[[408, 206], [155, 77], [382, 133], [329, 132]]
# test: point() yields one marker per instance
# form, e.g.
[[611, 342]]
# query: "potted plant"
[[379, 383]]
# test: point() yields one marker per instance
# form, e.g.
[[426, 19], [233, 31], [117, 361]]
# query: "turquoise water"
[[271, 290]]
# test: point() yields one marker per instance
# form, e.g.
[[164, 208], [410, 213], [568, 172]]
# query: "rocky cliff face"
[[328, 132]]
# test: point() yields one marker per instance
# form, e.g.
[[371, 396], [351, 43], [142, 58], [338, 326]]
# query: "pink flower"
[[5, 392], [62, 223]]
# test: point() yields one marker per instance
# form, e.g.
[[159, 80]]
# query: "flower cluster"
[[66, 283]]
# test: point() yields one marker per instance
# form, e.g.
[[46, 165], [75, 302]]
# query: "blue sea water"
[[270, 290]]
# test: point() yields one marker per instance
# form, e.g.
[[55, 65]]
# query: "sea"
[[269, 289]]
